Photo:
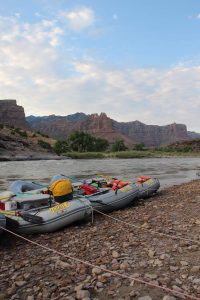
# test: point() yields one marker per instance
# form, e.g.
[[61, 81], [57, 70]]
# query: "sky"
[[132, 59]]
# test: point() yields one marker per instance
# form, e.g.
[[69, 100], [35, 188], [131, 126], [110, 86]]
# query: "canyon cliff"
[[153, 135], [104, 127], [12, 115], [60, 127]]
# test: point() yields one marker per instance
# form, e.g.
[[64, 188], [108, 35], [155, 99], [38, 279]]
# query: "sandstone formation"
[[12, 115], [60, 127], [194, 135], [153, 135], [102, 126]]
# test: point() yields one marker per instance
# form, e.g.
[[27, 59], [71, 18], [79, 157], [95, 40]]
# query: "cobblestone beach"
[[141, 251]]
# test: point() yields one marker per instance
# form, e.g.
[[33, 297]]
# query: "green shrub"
[[61, 147], [44, 145], [185, 149], [119, 146], [139, 147], [23, 133], [42, 134], [85, 155], [80, 141], [20, 132]]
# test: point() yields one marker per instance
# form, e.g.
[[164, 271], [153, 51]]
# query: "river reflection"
[[169, 171]]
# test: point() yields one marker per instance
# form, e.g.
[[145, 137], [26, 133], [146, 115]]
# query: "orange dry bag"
[[142, 179], [118, 184]]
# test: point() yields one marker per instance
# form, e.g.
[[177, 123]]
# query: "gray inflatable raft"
[[108, 200], [50, 219], [147, 188], [24, 186]]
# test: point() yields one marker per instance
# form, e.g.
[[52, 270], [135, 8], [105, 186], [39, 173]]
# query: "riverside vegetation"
[[129, 154], [81, 145]]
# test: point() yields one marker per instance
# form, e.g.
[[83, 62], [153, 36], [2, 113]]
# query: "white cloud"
[[79, 19], [115, 16], [87, 70], [30, 65], [48, 23], [17, 15], [44, 32], [198, 16]]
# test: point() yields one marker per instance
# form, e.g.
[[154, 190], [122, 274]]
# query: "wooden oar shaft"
[[6, 197], [6, 212]]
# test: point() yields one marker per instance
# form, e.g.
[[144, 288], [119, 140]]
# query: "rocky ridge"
[[12, 115], [17, 141], [153, 135], [14, 146], [104, 127], [60, 127], [138, 251]]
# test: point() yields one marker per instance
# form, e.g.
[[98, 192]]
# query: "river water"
[[169, 171]]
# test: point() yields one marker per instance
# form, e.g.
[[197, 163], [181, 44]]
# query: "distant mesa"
[[102, 126], [99, 125]]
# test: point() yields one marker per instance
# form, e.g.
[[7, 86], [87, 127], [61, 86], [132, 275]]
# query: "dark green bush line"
[[85, 155], [81, 142], [44, 145], [19, 131], [82, 145]]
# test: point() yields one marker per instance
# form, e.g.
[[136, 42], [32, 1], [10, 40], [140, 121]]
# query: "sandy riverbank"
[[30, 273]]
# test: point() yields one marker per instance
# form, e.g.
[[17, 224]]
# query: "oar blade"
[[32, 218], [26, 216]]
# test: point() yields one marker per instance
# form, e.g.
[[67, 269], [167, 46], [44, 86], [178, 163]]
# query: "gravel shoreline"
[[28, 272]]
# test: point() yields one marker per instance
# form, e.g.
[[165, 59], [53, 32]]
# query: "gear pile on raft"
[[28, 207]]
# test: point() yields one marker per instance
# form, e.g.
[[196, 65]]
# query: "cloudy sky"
[[132, 59]]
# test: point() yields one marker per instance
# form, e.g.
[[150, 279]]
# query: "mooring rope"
[[115, 273], [149, 230]]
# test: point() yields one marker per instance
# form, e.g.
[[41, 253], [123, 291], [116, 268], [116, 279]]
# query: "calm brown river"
[[169, 171]]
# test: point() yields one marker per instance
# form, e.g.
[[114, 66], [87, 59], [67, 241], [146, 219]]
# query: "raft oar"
[[26, 216], [6, 196]]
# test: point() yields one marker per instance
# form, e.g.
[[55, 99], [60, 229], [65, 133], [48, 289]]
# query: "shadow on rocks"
[[7, 241]]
